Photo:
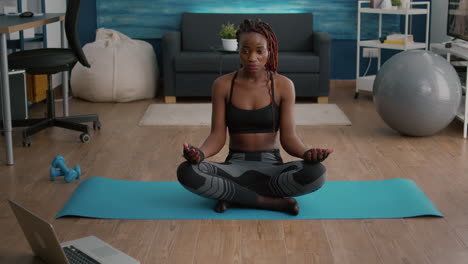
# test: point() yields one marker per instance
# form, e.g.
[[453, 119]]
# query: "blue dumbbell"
[[69, 174], [54, 173]]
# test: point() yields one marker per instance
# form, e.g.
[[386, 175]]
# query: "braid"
[[263, 28]]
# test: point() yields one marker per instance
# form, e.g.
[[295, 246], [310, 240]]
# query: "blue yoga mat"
[[107, 198]]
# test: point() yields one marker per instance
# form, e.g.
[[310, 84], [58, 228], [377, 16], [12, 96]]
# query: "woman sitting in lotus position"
[[254, 103]]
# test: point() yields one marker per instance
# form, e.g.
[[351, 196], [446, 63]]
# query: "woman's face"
[[253, 50]]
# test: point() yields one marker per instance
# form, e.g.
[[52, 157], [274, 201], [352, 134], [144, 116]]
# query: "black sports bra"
[[263, 120]]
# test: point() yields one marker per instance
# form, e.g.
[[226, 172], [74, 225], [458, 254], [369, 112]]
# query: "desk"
[[9, 24]]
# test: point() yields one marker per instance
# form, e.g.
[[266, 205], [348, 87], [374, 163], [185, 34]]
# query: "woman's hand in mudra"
[[193, 154], [316, 155]]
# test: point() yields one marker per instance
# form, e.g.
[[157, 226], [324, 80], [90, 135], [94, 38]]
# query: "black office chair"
[[50, 61]]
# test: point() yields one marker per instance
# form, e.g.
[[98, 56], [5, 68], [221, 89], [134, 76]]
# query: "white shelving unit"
[[461, 53], [365, 83]]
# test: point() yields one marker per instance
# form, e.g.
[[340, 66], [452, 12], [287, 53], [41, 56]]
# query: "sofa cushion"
[[200, 30], [222, 63], [197, 62], [298, 62]]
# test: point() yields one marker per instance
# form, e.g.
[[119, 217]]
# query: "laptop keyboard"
[[76, 256]]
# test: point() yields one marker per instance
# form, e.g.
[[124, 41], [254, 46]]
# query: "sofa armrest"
[[322, 46], [171, 44]]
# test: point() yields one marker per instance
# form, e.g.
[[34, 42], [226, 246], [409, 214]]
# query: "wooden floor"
[[367, 150]]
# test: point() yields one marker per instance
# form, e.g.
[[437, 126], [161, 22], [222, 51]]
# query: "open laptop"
[[44, 242]]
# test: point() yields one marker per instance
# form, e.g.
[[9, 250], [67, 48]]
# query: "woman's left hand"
[[315, 155]]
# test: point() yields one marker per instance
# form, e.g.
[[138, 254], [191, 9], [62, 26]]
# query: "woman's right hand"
[[315, 155], [193, 154]]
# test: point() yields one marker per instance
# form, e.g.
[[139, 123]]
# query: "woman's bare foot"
[[292, 207], [287, 205], [221, 206]]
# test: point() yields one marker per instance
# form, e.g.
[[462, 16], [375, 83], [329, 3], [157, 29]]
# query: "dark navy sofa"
[[191, 62]]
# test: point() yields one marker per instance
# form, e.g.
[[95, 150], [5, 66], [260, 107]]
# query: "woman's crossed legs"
[[261, 181]]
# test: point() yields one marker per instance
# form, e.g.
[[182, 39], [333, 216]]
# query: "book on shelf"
[[397, 42], [400, 37]]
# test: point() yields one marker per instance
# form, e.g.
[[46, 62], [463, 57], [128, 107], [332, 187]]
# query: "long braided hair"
[[263, 28]]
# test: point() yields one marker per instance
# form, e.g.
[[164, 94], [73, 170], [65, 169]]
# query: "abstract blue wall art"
[[150, 19]]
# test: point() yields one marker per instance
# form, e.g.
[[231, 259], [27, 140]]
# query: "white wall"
[[53, 31], [439, 21], [4, 3]]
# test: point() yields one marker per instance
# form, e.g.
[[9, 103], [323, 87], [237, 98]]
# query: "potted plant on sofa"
[[228, 36]]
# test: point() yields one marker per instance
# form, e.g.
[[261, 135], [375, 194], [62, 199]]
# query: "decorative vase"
[[230, 44]]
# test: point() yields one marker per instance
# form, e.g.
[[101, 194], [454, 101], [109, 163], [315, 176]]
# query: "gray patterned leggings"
[[246, 175]]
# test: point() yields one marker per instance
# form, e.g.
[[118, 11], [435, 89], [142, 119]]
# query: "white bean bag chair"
[[122, 69]]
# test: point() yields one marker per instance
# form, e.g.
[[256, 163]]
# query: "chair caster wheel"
[[96, 125], [85, 138], [26, 142], [356, 95]]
